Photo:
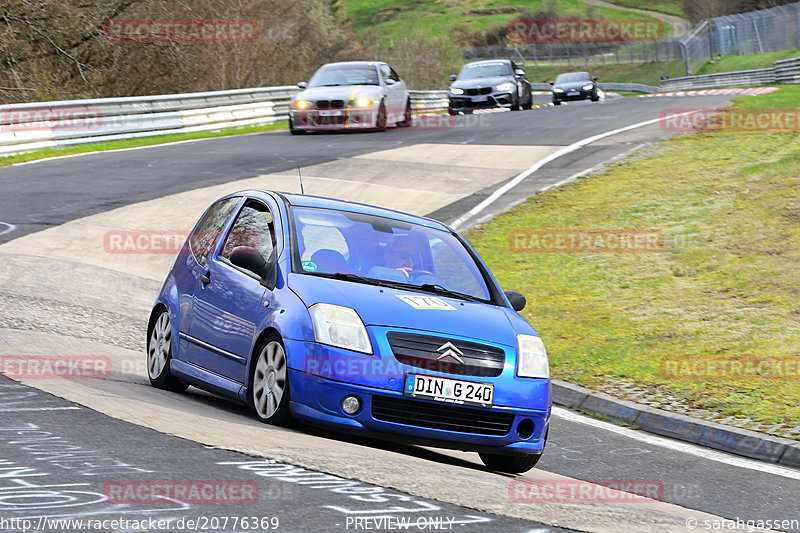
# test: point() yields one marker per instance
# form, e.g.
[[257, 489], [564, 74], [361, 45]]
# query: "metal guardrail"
[[37, 125], [723, 79], [428, 101], [788, 70]]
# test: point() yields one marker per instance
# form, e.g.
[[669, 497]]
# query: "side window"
[[253, 227], [393, 75], [386, 72], [207, 231]]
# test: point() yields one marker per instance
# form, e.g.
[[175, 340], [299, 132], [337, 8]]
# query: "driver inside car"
[[400, 256]]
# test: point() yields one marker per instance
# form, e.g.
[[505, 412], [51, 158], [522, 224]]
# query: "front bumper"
[[464, 102], [334, 119], [321, 376], [571, 96]]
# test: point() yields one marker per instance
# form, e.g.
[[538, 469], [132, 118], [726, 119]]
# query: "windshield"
[[572, 77], [484, 70], [367, 248], [344, 75]]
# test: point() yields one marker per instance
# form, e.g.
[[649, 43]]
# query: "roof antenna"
[[300, 174]]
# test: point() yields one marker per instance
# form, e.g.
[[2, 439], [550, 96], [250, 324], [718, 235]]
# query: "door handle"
[[205, 279]]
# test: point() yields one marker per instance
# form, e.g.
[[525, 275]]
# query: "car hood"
[[482, 82], [572, 85], [385, 306], [341, 92]]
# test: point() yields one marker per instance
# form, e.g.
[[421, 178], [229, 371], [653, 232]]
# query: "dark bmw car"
[[574, 86], [490, 84]]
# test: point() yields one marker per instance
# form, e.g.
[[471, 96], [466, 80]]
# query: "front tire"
[[510, 464], [380, 119], [268, 393], [159, 355]]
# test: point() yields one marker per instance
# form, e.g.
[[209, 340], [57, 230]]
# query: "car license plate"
[[331, 112], [448, 390], [480, 98], [572, 93]]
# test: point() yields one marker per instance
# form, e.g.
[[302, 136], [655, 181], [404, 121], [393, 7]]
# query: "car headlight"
[[587, 87], [363, 102], [301, 104], [558, 90], [504, 87], [339, 326], [456, 90], [531, 357]]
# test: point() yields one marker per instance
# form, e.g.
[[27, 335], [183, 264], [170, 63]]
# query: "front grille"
[[423, 351], [330, 104], [479, 90], [447, 417]]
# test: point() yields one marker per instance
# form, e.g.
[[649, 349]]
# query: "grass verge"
[[669, 7], [724, 287], [133, 143], [391, 22]]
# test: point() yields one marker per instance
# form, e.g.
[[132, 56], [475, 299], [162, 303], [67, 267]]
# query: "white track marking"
[[678, 446], [141, 147], [14, 410], [9, 228], [519, 178]]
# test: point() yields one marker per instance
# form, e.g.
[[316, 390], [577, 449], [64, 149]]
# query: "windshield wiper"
[[438, 289]]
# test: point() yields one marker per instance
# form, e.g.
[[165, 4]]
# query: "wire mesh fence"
[[755, 32]]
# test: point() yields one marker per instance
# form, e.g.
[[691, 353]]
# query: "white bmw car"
[[351, 95]]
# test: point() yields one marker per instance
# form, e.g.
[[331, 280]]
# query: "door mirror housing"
[[250, 259], [389, 81], [453, 77], [519, 72], [595, 79], [517, 300], [551, 82], [302, 84]]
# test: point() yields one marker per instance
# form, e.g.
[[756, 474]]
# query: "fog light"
[[525, 429], [351, 405]]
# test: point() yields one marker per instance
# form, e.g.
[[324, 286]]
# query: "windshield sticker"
[[309, 266], [426, 302]]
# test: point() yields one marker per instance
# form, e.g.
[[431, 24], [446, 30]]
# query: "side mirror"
[[389, 81], [250, 259], [302, 85], [595, 79], [519, 72], [551, 83], [453, 77], [517, 300]]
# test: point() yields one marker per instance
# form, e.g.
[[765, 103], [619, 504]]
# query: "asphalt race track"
[[65, 291]]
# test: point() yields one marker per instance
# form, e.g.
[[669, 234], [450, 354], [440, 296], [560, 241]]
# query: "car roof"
[[321, 202], [579, 72], [352, 64], [488, 61]]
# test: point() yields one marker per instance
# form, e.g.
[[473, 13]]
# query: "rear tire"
[[159, 355], [510, 464], [556, 102], [528, 105], [268, 390]]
